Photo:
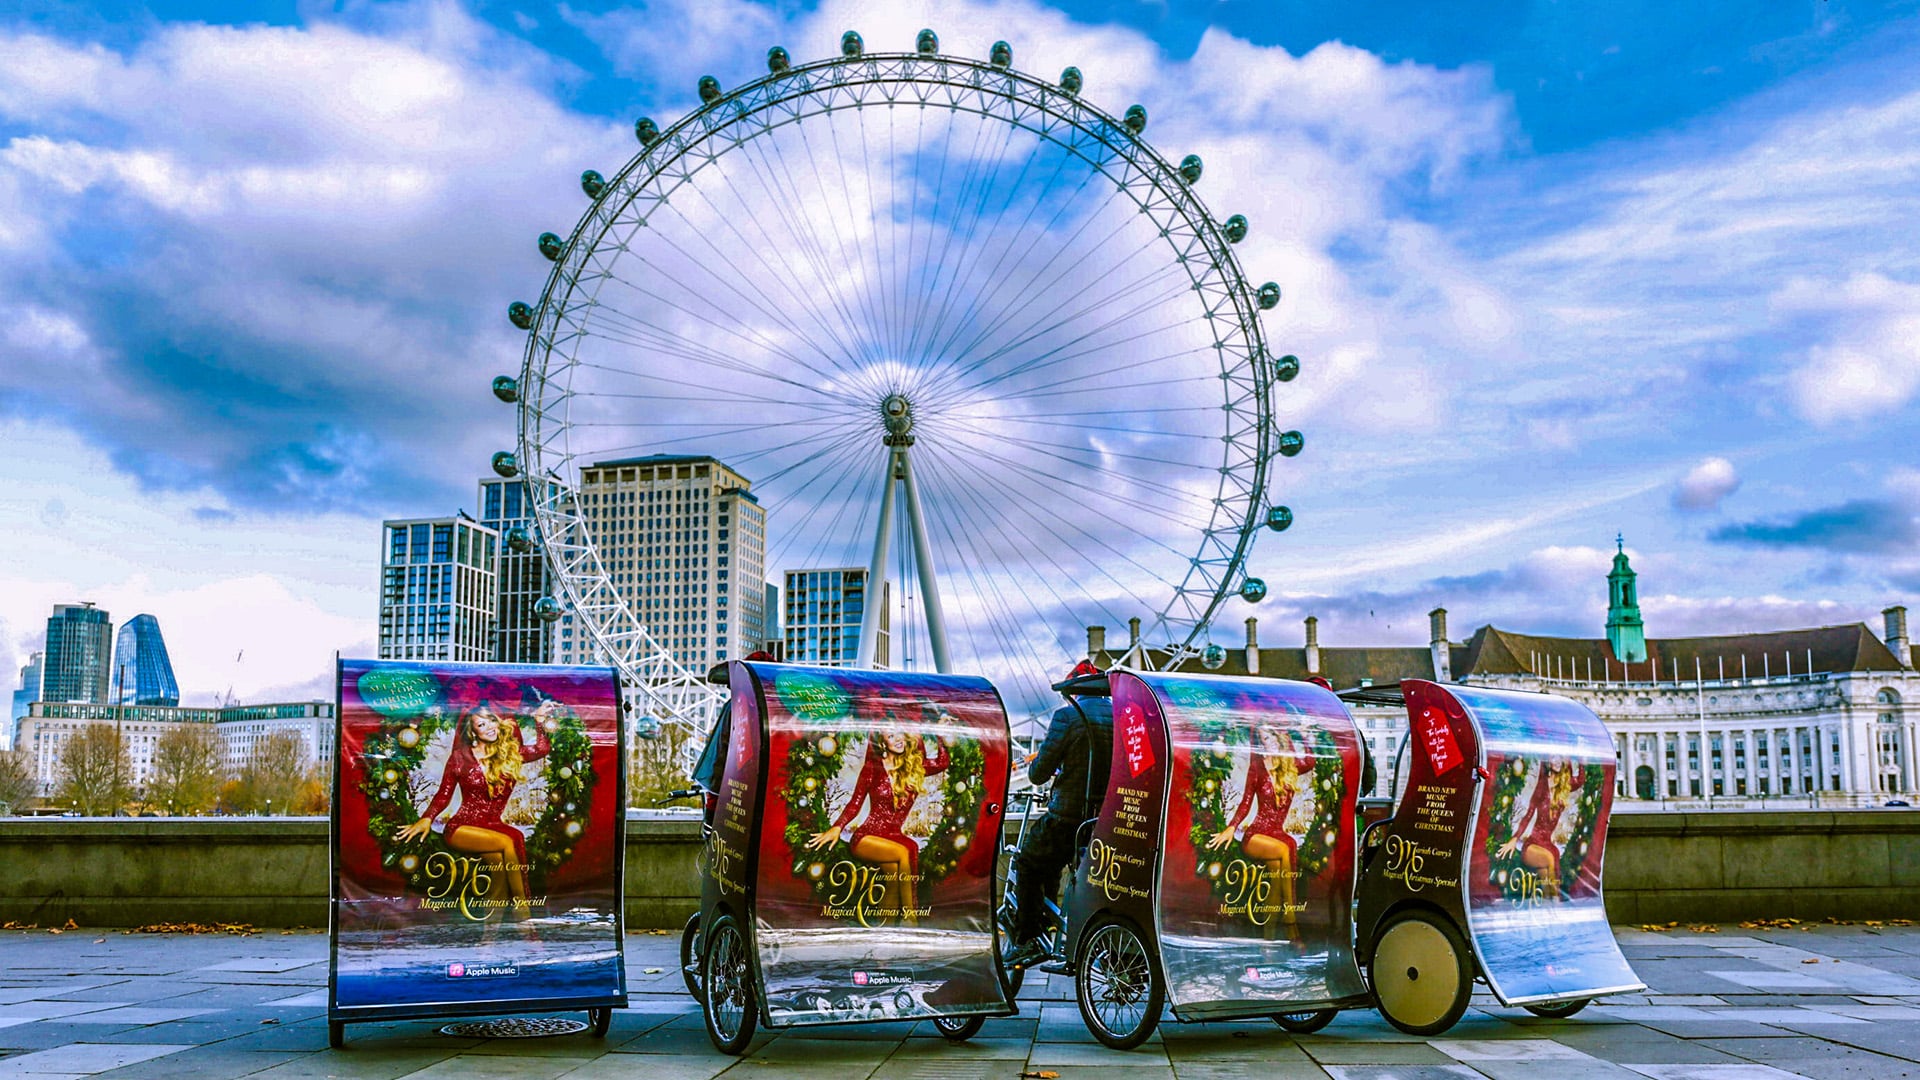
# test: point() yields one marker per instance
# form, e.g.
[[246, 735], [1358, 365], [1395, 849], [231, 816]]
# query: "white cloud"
[[1706, 484], [1867, 357]]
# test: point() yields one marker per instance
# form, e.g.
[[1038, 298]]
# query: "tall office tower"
[[142, 672], [686, 545], [823, 612], [437, 589], [79, 654], [23, 698], [771, 634], [519, 637]]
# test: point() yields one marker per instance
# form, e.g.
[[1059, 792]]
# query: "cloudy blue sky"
[[1555, 271]]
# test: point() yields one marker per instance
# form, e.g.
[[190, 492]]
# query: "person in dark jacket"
[[1074, 757]]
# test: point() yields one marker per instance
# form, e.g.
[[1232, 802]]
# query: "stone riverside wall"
[[1694, 867]]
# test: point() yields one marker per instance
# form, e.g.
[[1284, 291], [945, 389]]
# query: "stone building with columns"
[[1825, 716]]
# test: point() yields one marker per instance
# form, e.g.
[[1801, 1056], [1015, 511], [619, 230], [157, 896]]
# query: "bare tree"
[[18, 784], [188, 768], [274, 773], [96, 775]]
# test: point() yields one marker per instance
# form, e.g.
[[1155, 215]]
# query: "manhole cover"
[[515, 1027]]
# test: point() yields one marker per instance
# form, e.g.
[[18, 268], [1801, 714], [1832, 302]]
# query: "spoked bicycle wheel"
[[1558, 1010], [911, 279], [958, 1029], [690, 955], [1307, 1022], [729, 1004], [1119, 986]]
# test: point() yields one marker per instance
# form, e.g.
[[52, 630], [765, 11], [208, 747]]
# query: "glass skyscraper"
[[24, 697], [142, 671], [519, 636], [437, 589], [79, 655]]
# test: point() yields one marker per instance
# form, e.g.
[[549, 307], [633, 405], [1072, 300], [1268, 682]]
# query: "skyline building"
[[79, 654], [822, 616], [142, 670], [437, 589], [519, 637], [23, 698], [684, 542], [49, 725]]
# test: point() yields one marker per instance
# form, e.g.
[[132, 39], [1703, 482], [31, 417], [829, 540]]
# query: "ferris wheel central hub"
[[897, 413]]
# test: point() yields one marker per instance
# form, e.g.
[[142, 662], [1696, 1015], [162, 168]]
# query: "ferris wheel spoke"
[[1053, 388], [843, 463], [1059, 482], [832, 405], [943, 284], [1028, 294], [874, 283], [656, 347]]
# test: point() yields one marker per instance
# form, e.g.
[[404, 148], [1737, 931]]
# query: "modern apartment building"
[[822, 616], [79, 654], [438, 589], [685, 542], [519, 637], [142, 671], [48, 726], [25, 696]]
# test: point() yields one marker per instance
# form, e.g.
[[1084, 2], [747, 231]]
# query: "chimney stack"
[[1133, 632], [1896, 617], [1096, 642], [1313, 645], [1442, 653], [1253, 646]]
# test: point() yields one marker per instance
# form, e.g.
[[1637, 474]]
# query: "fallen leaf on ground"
[[1811, 960], [1041, 1074], [270, 1020], [99, 941], [652, 971], [241, 929], [1704, 928]]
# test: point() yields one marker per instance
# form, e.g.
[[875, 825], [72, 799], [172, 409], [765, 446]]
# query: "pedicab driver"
[[1075, 756]]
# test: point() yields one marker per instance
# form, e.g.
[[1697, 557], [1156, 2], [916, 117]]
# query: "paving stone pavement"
[[1831, 1003]]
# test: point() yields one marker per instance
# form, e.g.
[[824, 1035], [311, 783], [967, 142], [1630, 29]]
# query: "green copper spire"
[[1624, 630]]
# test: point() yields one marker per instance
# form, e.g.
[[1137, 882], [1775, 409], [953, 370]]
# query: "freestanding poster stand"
[[478, 839]]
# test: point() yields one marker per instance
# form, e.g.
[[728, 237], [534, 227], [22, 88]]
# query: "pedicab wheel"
[[690, 955], [1558, 1010], [336, 1034], [1003, 947], [1421, 973], [1119, 986], [1306, 1023], [599, 1020], [958, 1029], [726, 976]]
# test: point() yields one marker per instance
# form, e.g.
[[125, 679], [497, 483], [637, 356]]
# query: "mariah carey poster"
[[1533, 880], [875, 885], [478, 828], [1256, 880]]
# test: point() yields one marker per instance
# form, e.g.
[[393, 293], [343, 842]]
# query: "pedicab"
[[1489, 864], [1217, 881], [849, 871]]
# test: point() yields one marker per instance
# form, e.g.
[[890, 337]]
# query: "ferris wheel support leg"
[[923, 557], [876, 574]]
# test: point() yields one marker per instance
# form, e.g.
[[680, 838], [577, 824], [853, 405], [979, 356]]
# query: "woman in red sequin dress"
[[1533, 831], [892, 779], [1273, 779], [485, 766]]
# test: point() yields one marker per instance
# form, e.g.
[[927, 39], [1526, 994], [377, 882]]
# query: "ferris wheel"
[[954, 324]]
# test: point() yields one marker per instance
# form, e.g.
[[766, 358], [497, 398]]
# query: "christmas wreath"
[[1509, 782], [811, 766], [414, 712]]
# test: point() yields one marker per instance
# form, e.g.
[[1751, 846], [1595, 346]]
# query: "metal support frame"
[[900, 474]]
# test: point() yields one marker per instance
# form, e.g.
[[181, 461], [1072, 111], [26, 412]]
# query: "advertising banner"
[[478, 833], [874, 892], [1256, 881], [1533, 877]]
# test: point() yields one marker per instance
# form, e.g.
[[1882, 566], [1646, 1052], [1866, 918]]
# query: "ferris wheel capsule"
[[646, 131], [1269, 295], [506, 388], [519, 539], [520, 315], [1236, 228], [1213, 658], [1001, 55], [1279, 518], [1070, 80], [551, 246], [709, 89], [1291, 443], [1136, 118], [1253, 590], [1190, 168], [778, 60], [1286, 367], [546, 609], [927, 44], [505, 464], [851, 44], [593, 184]]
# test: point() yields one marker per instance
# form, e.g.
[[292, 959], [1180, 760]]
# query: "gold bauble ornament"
[[549, 725], [573, 830], [390, 776], [409, 738], [409, 863], [816, 870], [828, 745]]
